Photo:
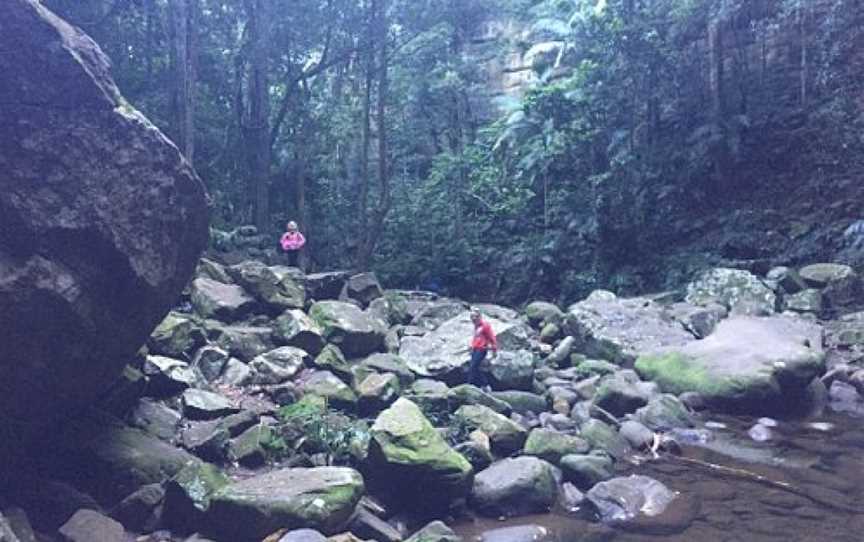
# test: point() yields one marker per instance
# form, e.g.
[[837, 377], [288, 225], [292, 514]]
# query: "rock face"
[[748, 364], [101, 222], [322, 498]]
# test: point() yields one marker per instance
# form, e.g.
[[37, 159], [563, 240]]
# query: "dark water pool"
[[825, 468]]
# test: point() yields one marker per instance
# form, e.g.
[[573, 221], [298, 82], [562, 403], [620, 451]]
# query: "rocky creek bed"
[[281, 406]]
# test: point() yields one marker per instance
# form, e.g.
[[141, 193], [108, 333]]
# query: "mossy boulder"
[[177, 335], [749, 364], [321, 498], [515, 486], [406, 453], [506, 435], [276, 292], [296, 328], [736, 289], [188, 493], [552, 445], [348, 327], [224, 302]]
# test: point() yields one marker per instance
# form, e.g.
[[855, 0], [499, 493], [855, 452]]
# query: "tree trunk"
[[259, 111], [183, 15], [362, 261], [804, 68]]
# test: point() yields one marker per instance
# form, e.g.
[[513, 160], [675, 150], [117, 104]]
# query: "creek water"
[[822, 499]]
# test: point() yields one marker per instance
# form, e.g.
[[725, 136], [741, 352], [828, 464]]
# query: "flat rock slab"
[[749, 364], [101, 222], [321, 498]]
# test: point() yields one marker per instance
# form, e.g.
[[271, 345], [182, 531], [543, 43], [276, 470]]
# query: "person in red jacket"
[[483, 341]]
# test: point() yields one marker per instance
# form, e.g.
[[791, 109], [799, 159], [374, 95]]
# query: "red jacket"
[[484, 337]]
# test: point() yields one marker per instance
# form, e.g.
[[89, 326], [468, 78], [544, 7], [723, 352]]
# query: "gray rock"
[[189, 493], [506, 436], [279, 365], [518, 533], [377, 391], [237, 373], [328, 285], [786, 278], [522, 402], [840, 284], [102, 223], [138, 511], [91, 526], [210, 361], [664, 412], [561, 354], [384, 363], [541, 312], [367, 525], [277, 292], [437, 531], [760, 433], [295, 328], [433, 314], [749, 364], [250, 447], [809, 300], [603, 437], [698, 320], [622, 499], [362, 288], [155, 418], [243, 342], [512, 370], [586, 470], [622, 393], [16, 520], [207, 440], [551, 446], [467, 394], [206, 405], [168, 376], [322, 498], [6, 532], [618, 330], [178, 335], [327, 385], [739, 291], [636, 434], [513, 487], [224, 302], [345, 325], [303, 535]]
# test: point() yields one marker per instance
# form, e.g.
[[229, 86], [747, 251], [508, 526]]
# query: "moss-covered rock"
[[552, 445], [515, 486], [407, 452], [188, 493], [345, 325], [506, 435], [748, 364], [321, 498]]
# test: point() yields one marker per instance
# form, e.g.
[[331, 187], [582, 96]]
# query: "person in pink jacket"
[[292, 241]]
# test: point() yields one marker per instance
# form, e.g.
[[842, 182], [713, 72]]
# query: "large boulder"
[[625, 498], [321, 498], [444, 351], [101, 223], [739, 291], [407, 452], [840, 283], [345, 325], [515, 486], [505, 435], [749, 364], [618, 330], [276, 292], [362, 288], [225, 302]]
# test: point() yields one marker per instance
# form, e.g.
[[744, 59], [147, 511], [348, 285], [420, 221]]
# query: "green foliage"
[[310, 427]]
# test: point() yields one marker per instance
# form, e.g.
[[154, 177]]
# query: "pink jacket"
[[292, 241]]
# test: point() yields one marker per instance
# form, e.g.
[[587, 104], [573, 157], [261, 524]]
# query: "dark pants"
[[475, 375], [292, 257]]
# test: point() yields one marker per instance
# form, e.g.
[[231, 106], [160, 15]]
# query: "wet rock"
[[748, 364], [552, 445], [506, 436], [664, 412], [322, 498], [622, 393], [406, 452], [243, 342], [437, 531], [102, 222], [519, 533], [602, 436], [295, 328], [739, 291], [622, 499], [586, 470], [636, 434], [516, 486], [91, 526], [348, 327]]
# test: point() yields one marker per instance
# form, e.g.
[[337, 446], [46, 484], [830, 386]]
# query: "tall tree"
[[258, 135], [184, 28]]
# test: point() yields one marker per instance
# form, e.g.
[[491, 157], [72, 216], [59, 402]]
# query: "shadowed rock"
[[101, 222]]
